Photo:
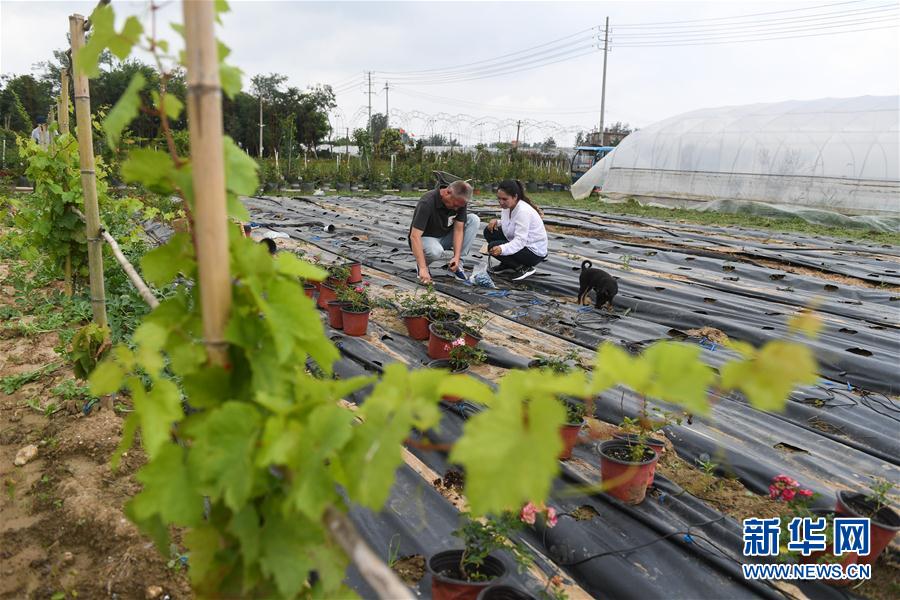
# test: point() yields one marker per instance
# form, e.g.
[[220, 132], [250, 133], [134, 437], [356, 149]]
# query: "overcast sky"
[[661, 61]]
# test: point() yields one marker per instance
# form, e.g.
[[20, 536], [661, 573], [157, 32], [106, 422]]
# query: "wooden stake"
[[204, 109], [64, 101], [88, 177]]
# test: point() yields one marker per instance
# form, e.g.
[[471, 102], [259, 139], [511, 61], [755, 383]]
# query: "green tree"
[[13, 113], [311, 116]]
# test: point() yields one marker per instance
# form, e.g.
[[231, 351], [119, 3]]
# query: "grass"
[[632, 208]]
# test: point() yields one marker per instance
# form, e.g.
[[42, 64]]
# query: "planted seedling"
[[559, 363], [473, 322], [463, 356], [481, 537], [415, 304], [574, 412], [355, 297]]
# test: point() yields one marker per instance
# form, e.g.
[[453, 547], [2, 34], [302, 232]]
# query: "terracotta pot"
[[504, 592], [569, 434], [447, 582], [335, 314], [309, 289], [355, 272], [471, 337], [326, 295], [417, 326], [439, 347], [445, 364], [628, 478], [885, 523], [355, 323]]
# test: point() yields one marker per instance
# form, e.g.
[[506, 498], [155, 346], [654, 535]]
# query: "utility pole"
[[260, 124], [347, 147], [603, 89], [387, 106], [370, 106], [518, 126]]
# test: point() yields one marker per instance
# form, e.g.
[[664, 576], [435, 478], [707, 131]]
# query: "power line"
[[739, 41], [774, 12], [776, 23]]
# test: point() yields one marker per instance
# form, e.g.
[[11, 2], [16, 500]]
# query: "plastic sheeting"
[[673, 545], [834, 154]]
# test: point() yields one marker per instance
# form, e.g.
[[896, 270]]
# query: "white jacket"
[[524, 228]]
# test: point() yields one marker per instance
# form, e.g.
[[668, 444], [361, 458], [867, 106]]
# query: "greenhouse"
[[838, 154]]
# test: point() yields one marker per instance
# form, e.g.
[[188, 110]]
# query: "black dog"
[[598, 280]]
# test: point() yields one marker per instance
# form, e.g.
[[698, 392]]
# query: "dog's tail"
[[586, 265]]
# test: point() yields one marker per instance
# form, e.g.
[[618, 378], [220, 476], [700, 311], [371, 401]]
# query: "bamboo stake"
[[88, 177], [133, 276], [204, 109], [64, 101]]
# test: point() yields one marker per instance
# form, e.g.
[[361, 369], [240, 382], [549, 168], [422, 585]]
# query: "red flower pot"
[[569, 434], [309, 289], [439, 346], [355, 272], [355, 323], [335, 314], [326, 295], [629, 479], [417, 326], [885, 522], [472, 339], [447, 582]]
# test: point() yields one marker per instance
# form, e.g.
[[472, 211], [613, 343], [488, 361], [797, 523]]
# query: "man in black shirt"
[[441, 223]]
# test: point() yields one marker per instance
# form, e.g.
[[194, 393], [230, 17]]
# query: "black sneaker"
[[502, 268], [523, 273]]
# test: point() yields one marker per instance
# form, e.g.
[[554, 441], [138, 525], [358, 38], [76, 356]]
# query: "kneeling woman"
[[519, 240]]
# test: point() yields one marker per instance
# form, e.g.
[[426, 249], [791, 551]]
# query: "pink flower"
[[528, 514], [805, 493], [773, 492], [788, 495], [458, 342], [551, 517], [359, 288]]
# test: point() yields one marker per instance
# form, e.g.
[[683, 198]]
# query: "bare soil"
[[63, 532]]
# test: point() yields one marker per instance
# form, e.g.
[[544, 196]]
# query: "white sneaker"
[[523, 273]]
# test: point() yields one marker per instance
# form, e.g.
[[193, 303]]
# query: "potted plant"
[[569, 431], [355, 271], [463, 574], [328, 292], [885, 522], [338, 274], [440, 313], [634, 433], [355, 308], [561, 364], [472, 323], [627, 469], [413, 310], [441, 335]]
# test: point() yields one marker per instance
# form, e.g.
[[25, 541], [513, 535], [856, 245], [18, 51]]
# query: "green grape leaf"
[[121, 44], [230, 78], [613, 366], [236, 209], [286, 551], [678, 375], [768, 377], [245, 526], [288, 264], [161, 265], [221, 458], [240, 170], [401, 400], [207, 387], [150, 338], [203, 542], [107, 378], [510, 459], [807, 322], [102, 30], [157, 410], [327, 430], [467, 388], [153, 169], [169, 104], [168, 489]]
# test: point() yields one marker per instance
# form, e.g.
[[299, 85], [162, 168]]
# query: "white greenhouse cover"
[[839, 154]]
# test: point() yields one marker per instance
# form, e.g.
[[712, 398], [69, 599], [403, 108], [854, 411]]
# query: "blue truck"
[[586, 157]]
